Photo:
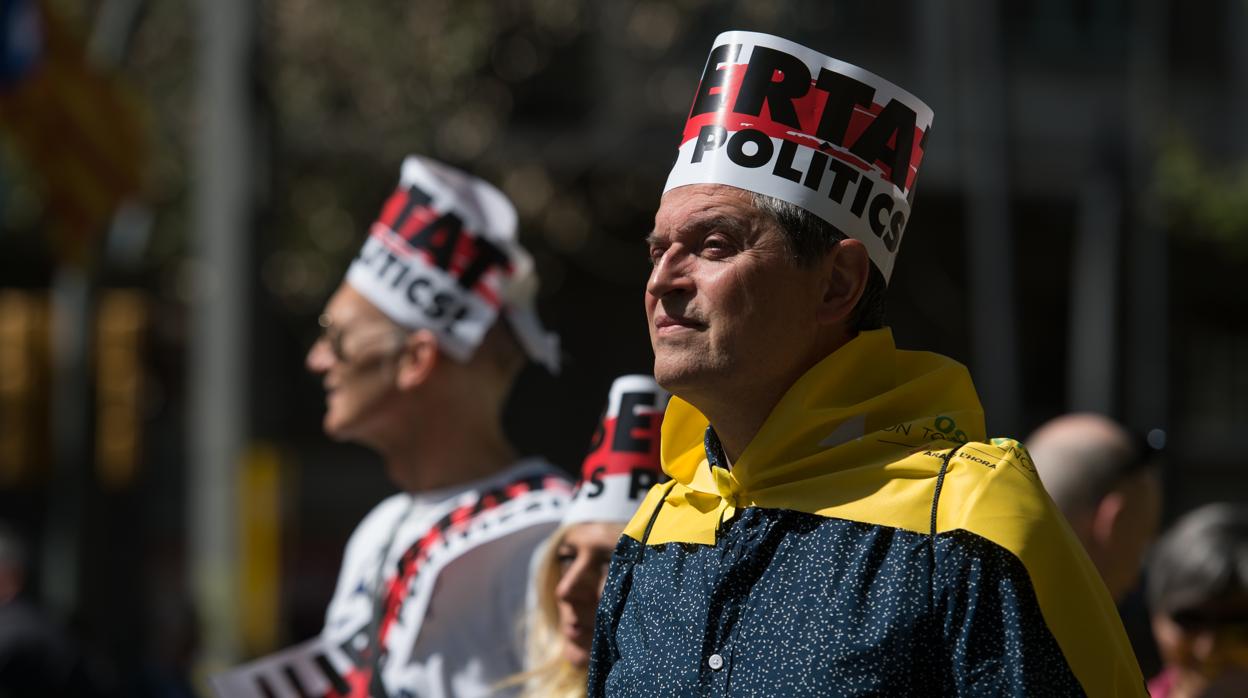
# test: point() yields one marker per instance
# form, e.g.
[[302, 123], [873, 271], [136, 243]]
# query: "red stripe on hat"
[[393, 207], [387, 237], [809, 111], [463, 255], [420, 217], [624, 462], [487, 294]]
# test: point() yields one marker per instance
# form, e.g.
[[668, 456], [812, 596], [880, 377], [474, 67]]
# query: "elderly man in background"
[[420, 347], [1108, 488], [837, 522]]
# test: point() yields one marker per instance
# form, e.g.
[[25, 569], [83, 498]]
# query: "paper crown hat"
[[776, 118], [623, 460], [443, 255]]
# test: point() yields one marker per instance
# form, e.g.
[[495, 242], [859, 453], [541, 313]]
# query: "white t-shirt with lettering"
[[442, 577]]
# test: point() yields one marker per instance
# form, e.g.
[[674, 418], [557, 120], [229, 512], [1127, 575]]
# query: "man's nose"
[[670, 273], [320, 356]]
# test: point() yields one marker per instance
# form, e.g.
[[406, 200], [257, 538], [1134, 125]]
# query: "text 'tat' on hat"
[[776, 118], [623, 461], [444, 256]]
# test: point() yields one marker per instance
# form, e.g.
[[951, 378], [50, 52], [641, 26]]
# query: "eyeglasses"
[[336, 337]]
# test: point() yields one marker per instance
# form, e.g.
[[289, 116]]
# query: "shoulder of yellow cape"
[[989, 489]]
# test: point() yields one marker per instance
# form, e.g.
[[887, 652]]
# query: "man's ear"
[[1108, 517], [845, 272], [417, 359]]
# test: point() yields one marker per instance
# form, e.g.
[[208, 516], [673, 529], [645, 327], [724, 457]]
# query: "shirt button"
[[715, 662]]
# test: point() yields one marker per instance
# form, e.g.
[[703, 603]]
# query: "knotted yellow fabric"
[[865, 417], [864, 436]]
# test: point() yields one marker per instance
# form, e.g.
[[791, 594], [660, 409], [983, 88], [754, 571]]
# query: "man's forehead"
[[698, 204], [349, 305]]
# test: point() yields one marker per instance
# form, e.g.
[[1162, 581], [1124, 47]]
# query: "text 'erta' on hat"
[[443, 255]]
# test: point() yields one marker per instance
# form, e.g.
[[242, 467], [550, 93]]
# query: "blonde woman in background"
[[622, 465]]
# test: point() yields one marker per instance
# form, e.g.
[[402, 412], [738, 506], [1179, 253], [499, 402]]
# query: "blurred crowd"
[[1191, 584]]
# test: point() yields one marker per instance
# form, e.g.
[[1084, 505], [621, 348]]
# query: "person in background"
[[1198, 596], [1108, 487], [420, 347], [622, 465]]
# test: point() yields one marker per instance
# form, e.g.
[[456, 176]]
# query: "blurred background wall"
[[183, 183]]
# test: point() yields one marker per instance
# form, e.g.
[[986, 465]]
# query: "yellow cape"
[[864, 436]]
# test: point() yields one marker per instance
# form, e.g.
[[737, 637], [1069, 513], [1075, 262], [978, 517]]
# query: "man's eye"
[[716, 246], [656, 253]]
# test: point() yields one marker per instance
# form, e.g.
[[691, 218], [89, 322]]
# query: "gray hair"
[[810, 238], [1201, 559]]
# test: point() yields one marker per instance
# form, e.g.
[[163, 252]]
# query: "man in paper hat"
[[837, 522], [420, 348]]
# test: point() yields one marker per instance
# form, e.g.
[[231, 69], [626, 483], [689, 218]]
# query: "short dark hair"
[[810, 238]]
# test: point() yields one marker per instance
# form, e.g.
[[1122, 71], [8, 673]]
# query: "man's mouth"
[[676, 323]]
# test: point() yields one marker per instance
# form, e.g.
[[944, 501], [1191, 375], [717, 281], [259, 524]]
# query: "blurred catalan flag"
[[75, 127]]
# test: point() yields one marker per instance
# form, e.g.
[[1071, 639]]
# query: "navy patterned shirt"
[[793, 604]]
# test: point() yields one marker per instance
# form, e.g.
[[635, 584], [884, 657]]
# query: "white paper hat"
[[776, 118], [623, 460], [443, 255]]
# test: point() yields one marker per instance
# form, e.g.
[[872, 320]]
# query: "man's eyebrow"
[[698, 224], [717, 221]]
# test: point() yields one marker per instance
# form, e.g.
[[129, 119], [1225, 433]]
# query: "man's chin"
[[336, 429], [680, 377]]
